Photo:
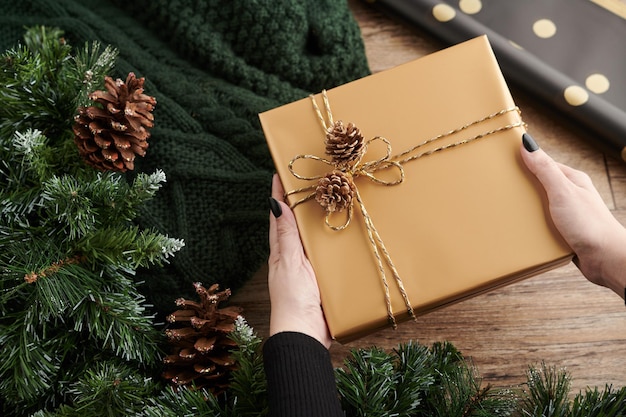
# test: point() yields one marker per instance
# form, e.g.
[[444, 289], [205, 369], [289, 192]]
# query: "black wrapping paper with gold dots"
[[569, 53]]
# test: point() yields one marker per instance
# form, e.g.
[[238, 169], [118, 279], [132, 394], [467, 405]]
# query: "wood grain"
[[557, 317]]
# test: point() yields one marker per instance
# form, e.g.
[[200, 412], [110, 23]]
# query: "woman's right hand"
[[597, 238]]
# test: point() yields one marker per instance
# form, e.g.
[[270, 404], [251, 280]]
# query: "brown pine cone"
[[334, 191], [344, 144], [110, 134], [200, 344]]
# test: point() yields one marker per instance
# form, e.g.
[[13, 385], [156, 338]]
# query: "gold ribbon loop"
[[336, 191], [345, 224], [368, 169]]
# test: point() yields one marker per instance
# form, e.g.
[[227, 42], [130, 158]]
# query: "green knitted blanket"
[[213, 65]]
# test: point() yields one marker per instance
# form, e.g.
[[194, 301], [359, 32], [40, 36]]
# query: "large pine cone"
[[109, 136], [335, 191], [201, 347], [344, 143]]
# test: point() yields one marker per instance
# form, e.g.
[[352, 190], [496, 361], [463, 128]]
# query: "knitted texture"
[[213, 65], [300, 377]]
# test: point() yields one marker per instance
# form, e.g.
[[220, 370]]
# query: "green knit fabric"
[[213, 65]]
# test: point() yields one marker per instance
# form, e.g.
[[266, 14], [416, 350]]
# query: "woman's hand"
[[294, 294], [582, 218]]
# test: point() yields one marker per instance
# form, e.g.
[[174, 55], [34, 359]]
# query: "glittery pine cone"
[[334, 191], [109, 135], [344, 143], [201, 348]]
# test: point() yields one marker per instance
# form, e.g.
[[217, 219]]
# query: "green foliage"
[[185, 402], [414, 380], [248, 389], [81, 205], [106, 389], [374, 382], [73, 319], [595, 403], [547, 393], [458, 389], [42, 83], [461, 393]]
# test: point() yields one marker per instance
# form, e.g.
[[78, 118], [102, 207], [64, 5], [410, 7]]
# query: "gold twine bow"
[[336, 190]]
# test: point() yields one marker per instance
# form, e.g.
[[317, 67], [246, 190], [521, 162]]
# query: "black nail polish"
[[529, 143], [275, 207]]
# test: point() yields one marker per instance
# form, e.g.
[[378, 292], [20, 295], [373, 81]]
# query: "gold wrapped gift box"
[[458, 215]]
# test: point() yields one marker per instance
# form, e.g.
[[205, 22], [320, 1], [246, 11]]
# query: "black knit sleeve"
[[300, 377]]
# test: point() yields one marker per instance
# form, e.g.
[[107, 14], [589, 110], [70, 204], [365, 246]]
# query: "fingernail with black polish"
[[529, 143], [275, 207]]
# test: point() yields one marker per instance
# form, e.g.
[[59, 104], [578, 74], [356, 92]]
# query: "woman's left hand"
[[294, 294]]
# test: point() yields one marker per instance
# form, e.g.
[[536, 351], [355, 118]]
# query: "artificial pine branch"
[[248, 388], [416, 381], [42, 84], [31, 146], [106, 389], [547, 393], [367, 382], [94, 64], [128, 247], [80, 204], [24, 166], [72, 316], [595, 403], [184, 402], [460, 393], [414, 369]]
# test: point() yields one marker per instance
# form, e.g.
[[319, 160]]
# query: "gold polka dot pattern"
[[575, 95], [443, 12], [470, 6], [598, 83], [544, 28]]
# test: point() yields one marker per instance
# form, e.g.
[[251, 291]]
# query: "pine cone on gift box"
[[334, 191], [111, 134], [200, 344], [344, 143]]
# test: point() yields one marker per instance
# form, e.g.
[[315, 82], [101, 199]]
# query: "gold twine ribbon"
[[358, 168]]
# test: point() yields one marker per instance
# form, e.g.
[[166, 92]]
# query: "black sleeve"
[[300, 377]]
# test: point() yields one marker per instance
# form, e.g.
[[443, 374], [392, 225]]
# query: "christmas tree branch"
[[547, 393], [73, 323]]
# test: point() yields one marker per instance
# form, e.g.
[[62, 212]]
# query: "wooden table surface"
[[557, 317]]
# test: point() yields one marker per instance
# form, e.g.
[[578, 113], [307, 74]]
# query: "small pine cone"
[[199, 339], [110, 135], [344, 144], [334, 191]]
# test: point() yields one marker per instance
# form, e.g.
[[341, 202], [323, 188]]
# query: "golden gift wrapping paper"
[[465, 219]]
